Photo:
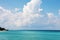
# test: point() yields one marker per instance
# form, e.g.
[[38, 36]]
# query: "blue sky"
[[30, 14], [9, 4], [47, 5], [51, 5]]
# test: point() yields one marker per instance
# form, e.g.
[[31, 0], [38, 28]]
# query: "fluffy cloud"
[[12, 20], [53, 21], [31, 14]]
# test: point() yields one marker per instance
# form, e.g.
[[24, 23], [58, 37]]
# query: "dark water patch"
[[42, 30]]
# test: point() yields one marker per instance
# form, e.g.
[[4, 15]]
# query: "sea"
[[30, 35]]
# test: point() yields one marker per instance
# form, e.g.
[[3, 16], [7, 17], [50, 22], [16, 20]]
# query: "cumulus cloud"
[[31, 14], [53, 21], [12, 20]]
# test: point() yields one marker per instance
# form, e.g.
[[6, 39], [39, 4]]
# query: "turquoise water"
[[29, 35]]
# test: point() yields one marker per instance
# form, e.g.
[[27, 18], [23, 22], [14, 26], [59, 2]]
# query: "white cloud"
[[40, 10], [17, 9], [9, 19], [54, 20], [32, 7], [31, 14], [50, 15]]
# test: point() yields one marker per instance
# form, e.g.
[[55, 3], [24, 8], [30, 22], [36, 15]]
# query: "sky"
[[30, 14]]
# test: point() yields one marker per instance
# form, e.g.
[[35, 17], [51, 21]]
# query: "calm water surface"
[[29, 35]]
